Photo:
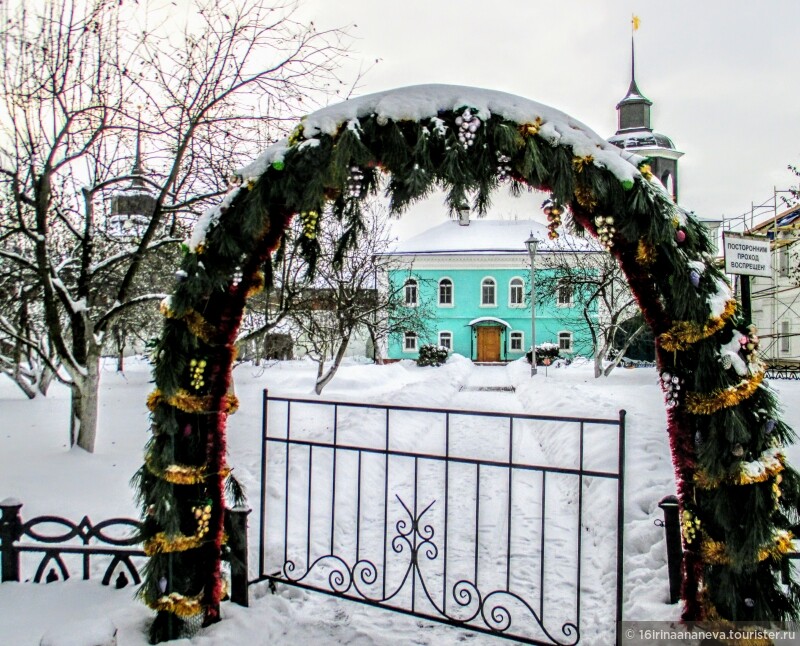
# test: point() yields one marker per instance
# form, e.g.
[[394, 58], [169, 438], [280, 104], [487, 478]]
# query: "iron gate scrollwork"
[[464, 536]]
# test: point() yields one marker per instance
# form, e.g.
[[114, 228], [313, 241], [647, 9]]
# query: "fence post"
[[672, 529], [237, 541], [10, 531]]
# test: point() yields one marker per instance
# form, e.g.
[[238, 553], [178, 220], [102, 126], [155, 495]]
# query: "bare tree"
[[350, 295], [80, 78], [593, 282]]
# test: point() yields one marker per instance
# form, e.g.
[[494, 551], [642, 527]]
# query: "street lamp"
[[531, 243]]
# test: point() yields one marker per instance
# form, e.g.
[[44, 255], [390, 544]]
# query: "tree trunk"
[[85, 401], [323, 380]]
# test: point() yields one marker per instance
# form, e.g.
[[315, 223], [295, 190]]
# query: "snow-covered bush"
[[432, 355], [544, 351]]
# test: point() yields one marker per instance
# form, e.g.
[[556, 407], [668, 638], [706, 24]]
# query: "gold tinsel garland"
[[195, 322], [708, 404], [579, 163], [586, 198], [645, 253], [257, 286], [162, 544], [188, 403], [769, 466], [713, 620], [180, 605], [530, 129], [716, 552], [683, 334], [181, 474]]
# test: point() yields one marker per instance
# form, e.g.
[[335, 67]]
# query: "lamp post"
[[531, 243]]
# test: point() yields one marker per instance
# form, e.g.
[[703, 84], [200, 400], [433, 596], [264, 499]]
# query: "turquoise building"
[[473, 279]]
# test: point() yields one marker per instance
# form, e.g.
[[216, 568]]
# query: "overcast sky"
[[723, 74]]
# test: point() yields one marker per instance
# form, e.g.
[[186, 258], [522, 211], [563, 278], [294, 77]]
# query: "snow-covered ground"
[[37, 467]]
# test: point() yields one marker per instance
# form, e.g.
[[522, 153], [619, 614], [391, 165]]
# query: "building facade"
[[474, 279]]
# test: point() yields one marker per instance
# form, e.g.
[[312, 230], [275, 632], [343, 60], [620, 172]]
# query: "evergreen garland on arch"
[[738, 496]]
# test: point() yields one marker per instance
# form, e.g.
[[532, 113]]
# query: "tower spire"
[[138, 169]]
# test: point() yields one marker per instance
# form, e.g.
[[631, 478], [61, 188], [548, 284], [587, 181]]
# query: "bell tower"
[[635, 133]]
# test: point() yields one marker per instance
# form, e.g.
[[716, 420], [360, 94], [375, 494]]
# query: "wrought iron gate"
[[506, 524]]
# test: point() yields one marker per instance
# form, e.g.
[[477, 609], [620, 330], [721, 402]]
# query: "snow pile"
[[37, 468], [84, 632]]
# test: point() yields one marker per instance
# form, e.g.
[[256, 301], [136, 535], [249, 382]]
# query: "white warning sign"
[[747, 255]]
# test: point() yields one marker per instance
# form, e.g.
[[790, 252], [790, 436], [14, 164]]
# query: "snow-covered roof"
[[490, 236], [489, 319]]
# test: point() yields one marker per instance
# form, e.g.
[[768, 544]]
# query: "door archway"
[[738, 497]]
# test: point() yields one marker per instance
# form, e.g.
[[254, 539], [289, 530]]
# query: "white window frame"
[[484, 281], [406, 286], [516, 334], [785, 337], [449, 335], [563, 285], [512, 287], [566, 333], [452, 292], [408, 336]]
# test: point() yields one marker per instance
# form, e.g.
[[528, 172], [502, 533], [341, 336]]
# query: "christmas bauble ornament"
[[680, 236], [162, 584], [355, 182], [503, 167], [698, 438], [468, 125], [769, 426], [749, 602], [694, 278], [727, 362], [278, 164], [737, 450]]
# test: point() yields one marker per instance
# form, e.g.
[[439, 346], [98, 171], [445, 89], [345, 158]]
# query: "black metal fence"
[[53, 548], [451, 515], [783, 371], [56, 543]]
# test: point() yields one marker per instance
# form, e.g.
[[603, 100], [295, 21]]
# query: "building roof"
[[788, 219], [636, 139], [491, 237]]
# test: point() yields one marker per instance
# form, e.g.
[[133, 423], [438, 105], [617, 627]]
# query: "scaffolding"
[[776, 300]]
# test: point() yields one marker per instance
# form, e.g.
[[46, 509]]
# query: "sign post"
[[746, 256]]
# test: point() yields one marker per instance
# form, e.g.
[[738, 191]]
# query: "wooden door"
[[488, 344]]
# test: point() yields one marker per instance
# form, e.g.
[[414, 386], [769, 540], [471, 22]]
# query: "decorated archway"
[[738, 497]]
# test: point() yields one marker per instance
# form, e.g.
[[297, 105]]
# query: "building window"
[[410, 292], [410, 342], [564, 294], [565, 341], [786, 339], [516, 339], [446, 340], [783, 262], [515, 292], [446, 292], [488, 292]]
